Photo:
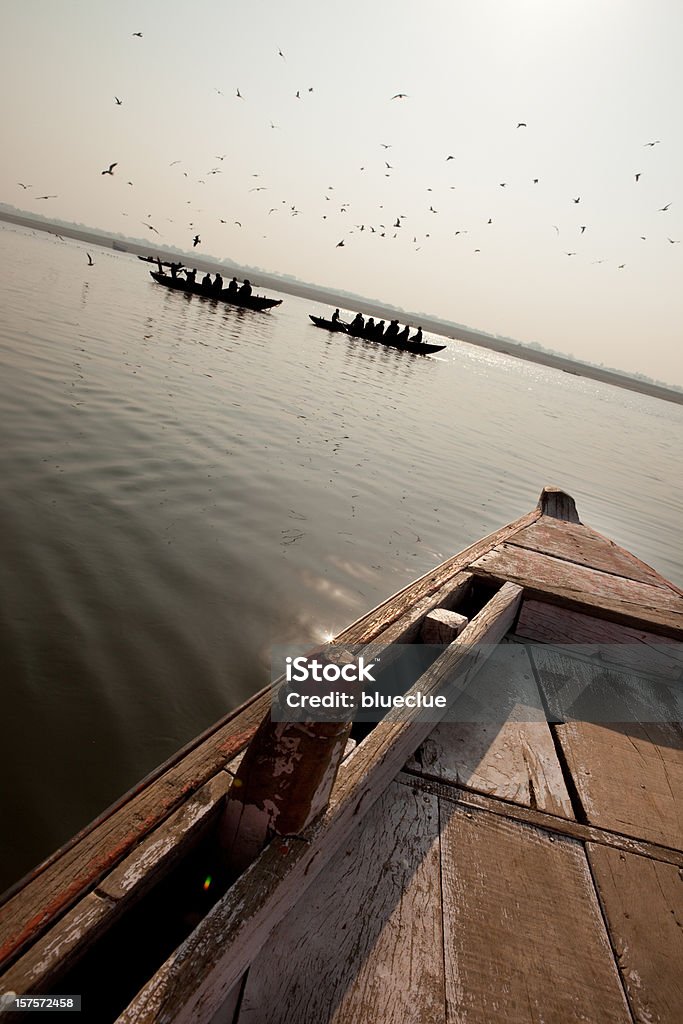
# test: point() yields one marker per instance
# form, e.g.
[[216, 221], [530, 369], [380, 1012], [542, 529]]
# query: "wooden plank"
[[31, 910], [628, 773], [550, 823], [58, 950], [156, 855], [523, 933], [365, 944], [629, 777], [194, 982], [576, 543], [621, 645], [576, 586], [643, 904], [512, 758]]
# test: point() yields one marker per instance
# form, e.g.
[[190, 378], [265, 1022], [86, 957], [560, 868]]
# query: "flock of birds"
[[382, 230]]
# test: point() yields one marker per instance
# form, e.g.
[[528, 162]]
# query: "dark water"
[[185, 484]]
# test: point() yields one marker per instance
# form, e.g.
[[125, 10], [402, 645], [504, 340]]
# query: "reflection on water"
[[186, 483]]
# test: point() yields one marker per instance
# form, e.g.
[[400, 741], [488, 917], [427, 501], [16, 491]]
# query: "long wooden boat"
[[520, 867], [256, 302], [419, 348]]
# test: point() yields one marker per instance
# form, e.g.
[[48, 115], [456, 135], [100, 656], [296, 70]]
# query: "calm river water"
[[185, 484]]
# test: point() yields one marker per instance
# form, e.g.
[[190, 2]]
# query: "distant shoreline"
[[329, 298]]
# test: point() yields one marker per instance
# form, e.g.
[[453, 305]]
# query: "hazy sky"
[[594, 81]]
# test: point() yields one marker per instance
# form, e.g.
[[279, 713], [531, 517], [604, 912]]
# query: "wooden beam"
[[580, 588], [629, 647], [442, 626], [541, 819]]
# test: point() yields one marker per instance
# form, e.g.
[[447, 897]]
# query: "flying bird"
[[24, 186], [502, 184], [239, 95], [111, 168], [621, 266], [385, 145], [138, 34], [195, 241], [282, 54], [535, 181], [151, 228], [339, 244], [638, 176], [400, 96], [298, 94], [90, 260], [656, 143], [118, 101], [389, 166], [571, 254], [47, 197], [521, 124], [674, 241], [663, 209], [449, 158], [577, 200], [238, 223], [583, 228]]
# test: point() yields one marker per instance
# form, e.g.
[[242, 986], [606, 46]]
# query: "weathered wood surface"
[[59, 948], [31, 910], [575, 543], [643, 905], [226, 1014], [365, 944], [503, 746], [628, 772], [557, 504], [629, 777], [580, 688], [71, 935], [469, 799], [524, 937], [621, 645], [193, 983], [581, 588], [143, 867], [442, 626]]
